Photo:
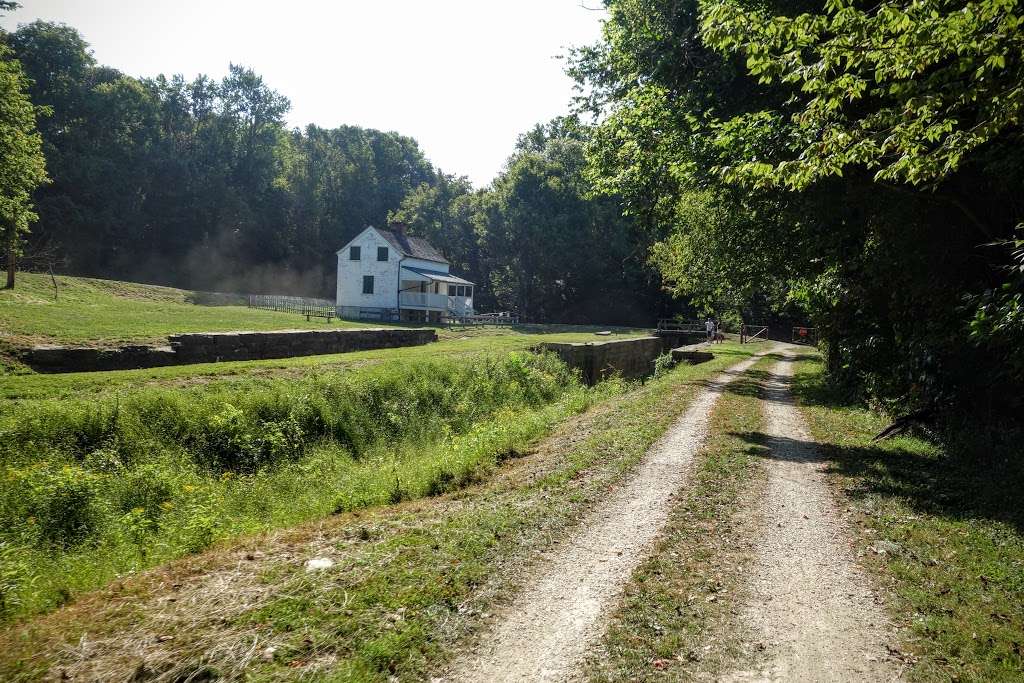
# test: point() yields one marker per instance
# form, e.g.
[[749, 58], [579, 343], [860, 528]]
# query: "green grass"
[[97, 312], [453, 344], [105, 312], [943, 525], [409, 583], [94, 489], [686, 592]]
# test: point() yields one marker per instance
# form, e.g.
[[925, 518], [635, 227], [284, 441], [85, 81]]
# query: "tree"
[[554, 252], [845, 159], [908, 89], [446, 214], [23, 168]]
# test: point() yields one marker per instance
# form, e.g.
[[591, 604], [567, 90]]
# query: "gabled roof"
[[414, 247]]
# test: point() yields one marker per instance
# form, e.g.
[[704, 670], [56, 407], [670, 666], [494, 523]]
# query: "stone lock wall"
[[632, 358], [212, 347]]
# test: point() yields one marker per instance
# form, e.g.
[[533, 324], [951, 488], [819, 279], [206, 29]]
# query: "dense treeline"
[[860, 162], [201, 184]]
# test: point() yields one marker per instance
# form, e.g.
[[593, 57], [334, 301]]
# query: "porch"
[[435, 291]]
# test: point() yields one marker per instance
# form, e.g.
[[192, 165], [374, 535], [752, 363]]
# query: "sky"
[[463, 77]]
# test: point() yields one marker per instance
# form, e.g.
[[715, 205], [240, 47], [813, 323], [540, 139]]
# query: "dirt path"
[[544, 634], [814, 611]]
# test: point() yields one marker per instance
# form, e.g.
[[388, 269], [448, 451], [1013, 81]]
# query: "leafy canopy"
[[906, 88]]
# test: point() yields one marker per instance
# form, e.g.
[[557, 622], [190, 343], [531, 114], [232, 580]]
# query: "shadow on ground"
[[970, 475]]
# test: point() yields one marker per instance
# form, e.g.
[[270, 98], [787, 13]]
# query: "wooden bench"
[[327, 312]]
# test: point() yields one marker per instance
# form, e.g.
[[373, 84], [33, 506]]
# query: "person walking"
[[710, 327]]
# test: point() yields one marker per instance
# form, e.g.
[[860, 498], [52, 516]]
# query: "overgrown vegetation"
[[944, 526], [97, 488]]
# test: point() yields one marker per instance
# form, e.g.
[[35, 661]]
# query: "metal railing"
[[805, 335], [673, 325], [750, 332]]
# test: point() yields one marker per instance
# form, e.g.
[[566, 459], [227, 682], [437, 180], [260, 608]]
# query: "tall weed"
[[95, 489]]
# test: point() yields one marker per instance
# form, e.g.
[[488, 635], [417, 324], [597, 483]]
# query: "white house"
[[388, 275]]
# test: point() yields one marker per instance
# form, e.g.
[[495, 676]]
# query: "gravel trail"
[[814, 610], [543, 634]]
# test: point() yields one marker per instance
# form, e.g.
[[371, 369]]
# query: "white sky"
[[463, 77]]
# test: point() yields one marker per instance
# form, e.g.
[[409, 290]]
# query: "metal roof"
[[437, 275], [414, 247]]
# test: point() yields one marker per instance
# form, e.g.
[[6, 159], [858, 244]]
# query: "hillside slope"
[[105, 312]]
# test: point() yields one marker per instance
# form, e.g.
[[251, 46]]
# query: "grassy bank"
[[943, 527], [677, 617], [96, 489], [454, 344], [408, 585]]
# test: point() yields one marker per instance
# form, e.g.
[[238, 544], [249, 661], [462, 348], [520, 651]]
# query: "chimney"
[[398, 228]]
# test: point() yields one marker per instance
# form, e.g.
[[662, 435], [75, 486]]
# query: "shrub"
[[662, 364], [65, 505], [149, 488]]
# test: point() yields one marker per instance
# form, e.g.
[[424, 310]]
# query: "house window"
[[451, 290], [460, 291], [354, 253], [367, 284], [382, 253]]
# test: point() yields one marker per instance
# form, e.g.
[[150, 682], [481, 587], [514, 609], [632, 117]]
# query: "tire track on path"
[[544, 633], [812, 606]]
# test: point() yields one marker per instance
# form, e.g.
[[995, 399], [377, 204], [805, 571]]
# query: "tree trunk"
[[12, 262]]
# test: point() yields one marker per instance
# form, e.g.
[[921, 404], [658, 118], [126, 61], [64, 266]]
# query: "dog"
[[719, 338]]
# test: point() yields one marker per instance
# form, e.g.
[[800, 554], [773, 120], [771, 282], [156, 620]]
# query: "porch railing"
[[424, 300]]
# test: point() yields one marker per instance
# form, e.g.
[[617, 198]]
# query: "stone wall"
[[697, 353], [50, 358], [631, 358], [672, 339], [211, 347]]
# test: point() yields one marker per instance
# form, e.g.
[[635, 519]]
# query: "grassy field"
[[942, 526], [409, 584], [102, 312]]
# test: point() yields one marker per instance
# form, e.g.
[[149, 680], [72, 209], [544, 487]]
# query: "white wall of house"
[[350, 274], [388, 280]]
